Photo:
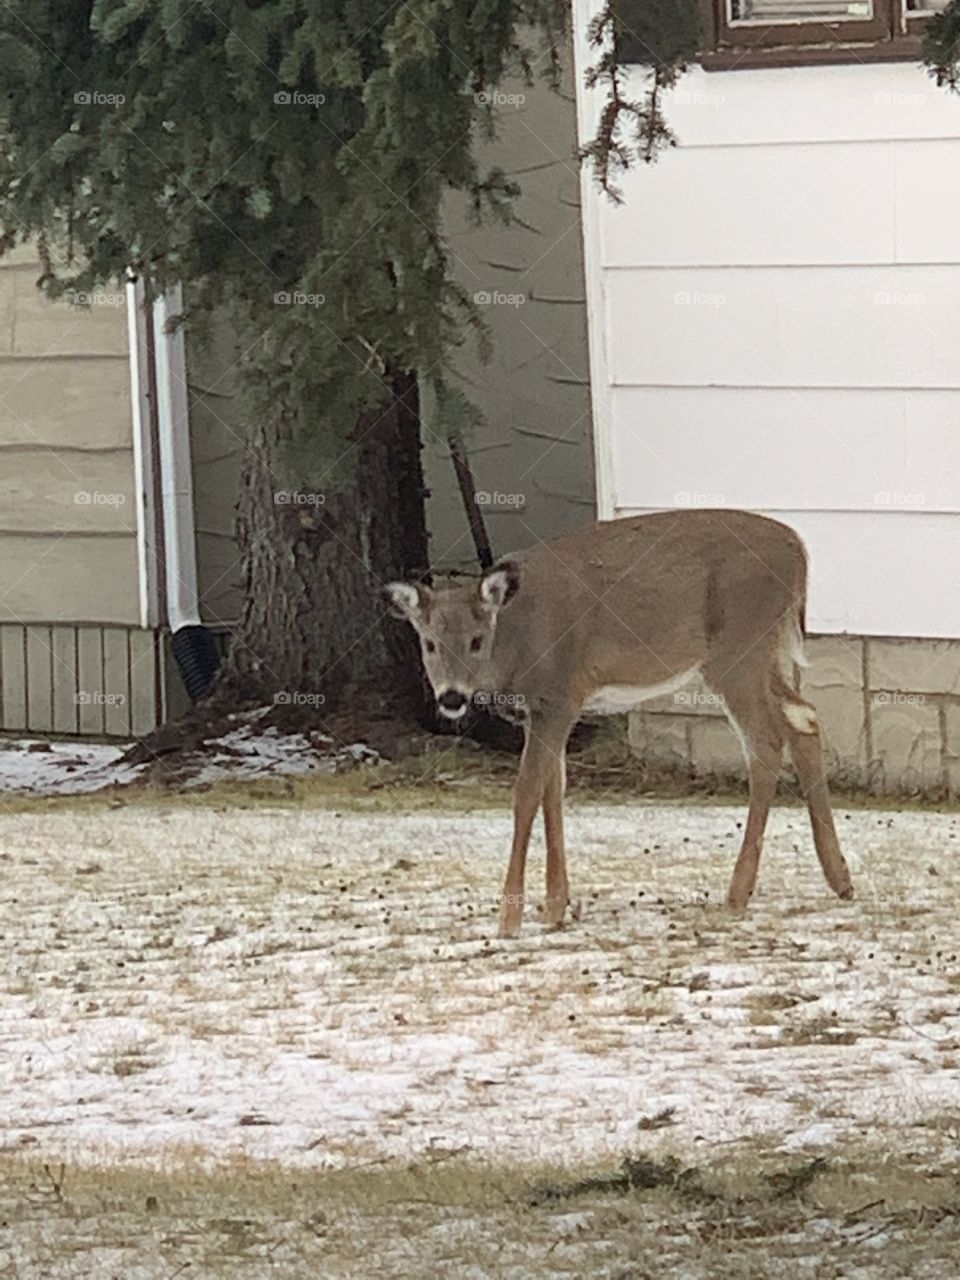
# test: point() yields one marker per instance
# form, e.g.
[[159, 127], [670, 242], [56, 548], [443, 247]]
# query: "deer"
[[601, 620]]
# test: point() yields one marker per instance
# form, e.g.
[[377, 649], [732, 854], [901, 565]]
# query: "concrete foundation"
[[889, 710]]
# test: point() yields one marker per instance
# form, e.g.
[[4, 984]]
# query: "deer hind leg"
[[761, 736], [558, 888], [802, 732], [542, 754]]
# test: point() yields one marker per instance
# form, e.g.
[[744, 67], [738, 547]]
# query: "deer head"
[[457, 626]]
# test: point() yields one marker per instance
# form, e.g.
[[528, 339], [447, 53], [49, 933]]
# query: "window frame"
[[891, 35], [817, 32]]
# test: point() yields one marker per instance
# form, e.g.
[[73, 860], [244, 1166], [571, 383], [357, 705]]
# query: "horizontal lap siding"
[[68, 578], [787, 448], [779, 305], [68, 539], [884, 326]]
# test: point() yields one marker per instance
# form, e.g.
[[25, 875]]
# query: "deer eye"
[[430, 646], [476, 644]]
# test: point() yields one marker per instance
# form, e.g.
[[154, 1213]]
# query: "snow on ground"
[[327, 989], [61, 768], [241, 754]]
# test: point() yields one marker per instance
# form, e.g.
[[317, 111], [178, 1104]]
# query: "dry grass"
[[734, 1219], [250, 927]]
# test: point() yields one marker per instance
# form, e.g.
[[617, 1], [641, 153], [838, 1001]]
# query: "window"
[[751, 33], [754, 25]]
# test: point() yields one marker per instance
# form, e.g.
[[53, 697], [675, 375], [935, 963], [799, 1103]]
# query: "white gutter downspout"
[[148, 557], [176, 474], [166, 532]]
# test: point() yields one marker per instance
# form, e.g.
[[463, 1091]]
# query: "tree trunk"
[[313, 631]]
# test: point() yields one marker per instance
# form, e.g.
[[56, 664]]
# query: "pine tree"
[[261, 151]]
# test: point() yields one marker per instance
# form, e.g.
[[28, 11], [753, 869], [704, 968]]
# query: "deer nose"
[[452, 702]]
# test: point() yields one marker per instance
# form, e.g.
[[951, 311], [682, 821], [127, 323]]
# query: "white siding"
[[775, 315]]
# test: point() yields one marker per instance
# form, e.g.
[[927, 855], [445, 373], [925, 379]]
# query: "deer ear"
[[407, 601], [499, 586]]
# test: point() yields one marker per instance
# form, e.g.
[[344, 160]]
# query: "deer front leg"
[[542, 755], [526, 802]]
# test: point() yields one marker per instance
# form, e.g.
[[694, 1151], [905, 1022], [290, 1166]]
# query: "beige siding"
[[41, 328], [88, 680], [75, 404], [67, 509], [13, 684], [216, 430], [51, 490], [533, 455], [68, 578]]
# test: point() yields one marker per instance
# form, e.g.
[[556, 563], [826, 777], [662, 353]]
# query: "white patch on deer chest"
[[614, 699]]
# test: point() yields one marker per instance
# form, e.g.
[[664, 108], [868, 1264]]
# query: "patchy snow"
[[326, 988], [250, 752], [61, 768], [246, 752]]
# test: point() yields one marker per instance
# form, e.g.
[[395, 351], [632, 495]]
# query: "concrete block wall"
[[889, 710]]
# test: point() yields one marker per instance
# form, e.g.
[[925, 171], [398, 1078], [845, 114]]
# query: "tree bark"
[[314, 630]]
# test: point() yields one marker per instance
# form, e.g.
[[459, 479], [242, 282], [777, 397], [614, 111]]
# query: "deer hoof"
[[554, 910], [510, 921]]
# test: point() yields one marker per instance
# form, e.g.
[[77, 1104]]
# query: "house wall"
[[775, 314], [68, 549], [216, 450], [532, 455], [73, 657]]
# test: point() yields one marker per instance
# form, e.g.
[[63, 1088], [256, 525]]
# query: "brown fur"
[[635, 602]]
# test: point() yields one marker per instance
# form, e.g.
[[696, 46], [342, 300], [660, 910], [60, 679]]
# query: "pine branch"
[[941, 47], [662, 38]]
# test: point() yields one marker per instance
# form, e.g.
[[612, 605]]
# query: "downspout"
[[176, 479], [143, 400], [164, 385], [143, 405]]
